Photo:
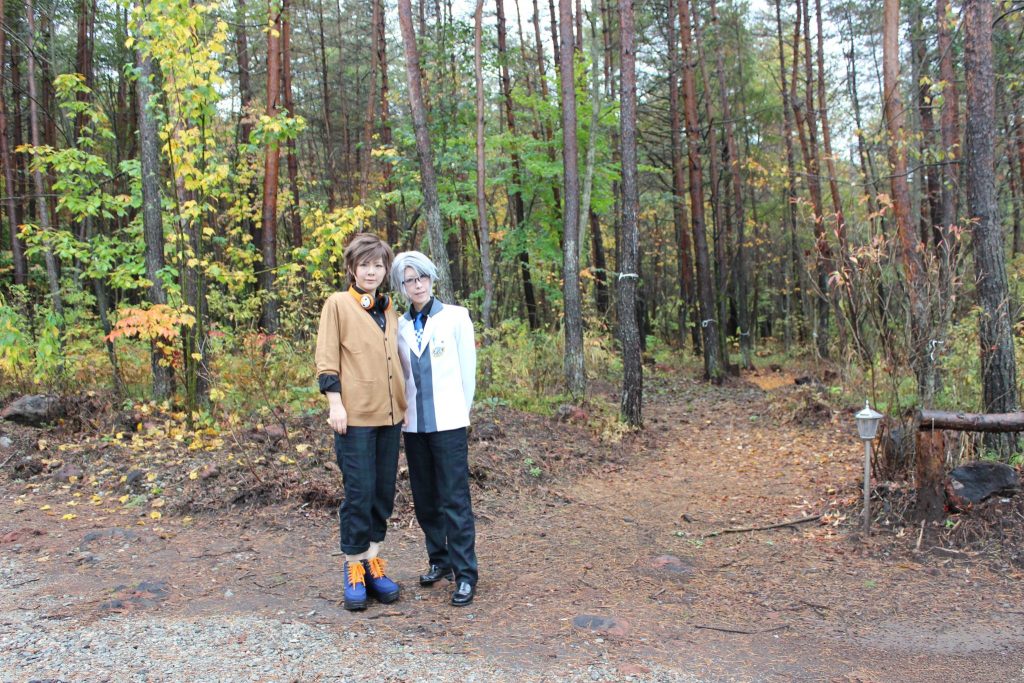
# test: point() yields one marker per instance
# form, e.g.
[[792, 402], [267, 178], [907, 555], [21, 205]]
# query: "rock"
[[274, 432], [28, 467], [209, 472], [69, 473], [673, 565], [5, 442], [115, 533], [33, 410], [485, 431], [612, 626], [134, 477], [976, 481], [570, 413]]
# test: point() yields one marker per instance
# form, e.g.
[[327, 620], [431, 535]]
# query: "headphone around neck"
[[368, 303]]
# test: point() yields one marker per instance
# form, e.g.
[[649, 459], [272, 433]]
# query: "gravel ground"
[[49, 643]]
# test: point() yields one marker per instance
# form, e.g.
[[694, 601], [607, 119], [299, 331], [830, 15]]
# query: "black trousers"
[[368, 459], [439, 476]]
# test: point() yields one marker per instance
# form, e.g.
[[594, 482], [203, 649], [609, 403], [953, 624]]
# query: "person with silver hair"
[[437, 350]]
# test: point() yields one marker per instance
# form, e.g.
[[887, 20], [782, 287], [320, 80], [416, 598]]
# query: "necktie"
[[417, 325]]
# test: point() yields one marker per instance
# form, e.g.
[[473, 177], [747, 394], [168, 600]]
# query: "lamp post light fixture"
[[867, 427]]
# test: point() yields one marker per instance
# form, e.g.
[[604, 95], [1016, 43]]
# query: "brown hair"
[[366, 247]]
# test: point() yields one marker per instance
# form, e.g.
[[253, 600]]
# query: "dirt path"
[[607, 577]]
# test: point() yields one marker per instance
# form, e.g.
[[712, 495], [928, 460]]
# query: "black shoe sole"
[[449, 577], [355, 606], [462, 604], [386, 599]]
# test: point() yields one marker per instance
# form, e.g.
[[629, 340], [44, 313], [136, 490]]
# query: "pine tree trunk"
[[913, 267], [295, 220], [712, 363], [736, 177], [575, 374], [515, 197], [631, 405], [998, 366], [481, 168], [685, 258], [331, 179], [428, 178]]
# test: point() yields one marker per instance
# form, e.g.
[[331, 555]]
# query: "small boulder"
[[33, 410], [612, 626], [5, 442], [68, 473], [976, 481]]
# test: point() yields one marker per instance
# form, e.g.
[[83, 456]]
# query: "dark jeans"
[[439, 476], [368, 459]]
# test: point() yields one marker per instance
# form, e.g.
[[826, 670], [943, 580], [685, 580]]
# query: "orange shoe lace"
[[356, 573], [376, 567]]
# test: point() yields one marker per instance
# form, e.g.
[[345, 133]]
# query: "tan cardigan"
[[352, 346]]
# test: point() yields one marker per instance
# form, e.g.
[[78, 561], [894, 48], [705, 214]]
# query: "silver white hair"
[[416, 260]]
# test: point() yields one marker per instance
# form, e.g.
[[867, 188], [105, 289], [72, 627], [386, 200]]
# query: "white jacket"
[[440, 376]]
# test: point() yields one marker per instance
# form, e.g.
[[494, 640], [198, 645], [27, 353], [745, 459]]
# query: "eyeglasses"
[[420, 280]]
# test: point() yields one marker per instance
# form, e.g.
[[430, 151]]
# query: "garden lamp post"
[[867, 427]]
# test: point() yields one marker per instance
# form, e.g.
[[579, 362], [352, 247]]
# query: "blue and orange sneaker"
[[379, 585], [355, 586]]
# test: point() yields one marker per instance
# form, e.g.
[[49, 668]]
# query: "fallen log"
[[970, 422]]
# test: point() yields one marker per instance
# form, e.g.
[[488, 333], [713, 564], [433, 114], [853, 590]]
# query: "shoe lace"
[[376, 567], [356, 573]]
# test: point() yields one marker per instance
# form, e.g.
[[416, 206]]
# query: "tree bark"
[[515, 197], [970, 422], [795, 271], [152, 221], [42, 206], [685, 258], [998, 366], [913, 267], [380, 41], [481, 169], [575, 374], [431, 202], [712, 363], [10, 187], [631, 405], [294, 218], [736, 178], [325, 103], [268, 248]]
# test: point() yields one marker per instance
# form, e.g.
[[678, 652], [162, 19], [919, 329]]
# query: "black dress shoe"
[[463, 594], [435, 574]]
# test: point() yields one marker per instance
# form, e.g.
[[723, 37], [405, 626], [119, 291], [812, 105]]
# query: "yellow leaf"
[[151, 476], [69, 516], [155, 514], [301, 447], [197, 356], [193, 474], [45, 507], [124, 499], [286, 460], [158, 503]]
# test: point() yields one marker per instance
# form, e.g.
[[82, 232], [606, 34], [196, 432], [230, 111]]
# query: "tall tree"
[[432, 206], [913, 267], [517, 216], [10, 189], [713, 370], [998, 367], [42, 206], [268, 248], [481, 168], [575, 373], [631, 405], [294, 220], [152, 221]]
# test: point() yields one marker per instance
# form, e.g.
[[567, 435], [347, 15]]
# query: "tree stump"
[[930, 470]]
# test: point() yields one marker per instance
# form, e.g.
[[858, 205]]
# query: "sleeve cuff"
[[329, 384]]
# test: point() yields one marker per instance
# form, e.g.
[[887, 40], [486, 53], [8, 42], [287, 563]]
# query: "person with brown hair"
[[358, 369]]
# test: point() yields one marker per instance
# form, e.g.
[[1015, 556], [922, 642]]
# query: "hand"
[[338, 419]]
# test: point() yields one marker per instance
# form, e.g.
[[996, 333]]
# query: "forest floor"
[[600, 557]]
